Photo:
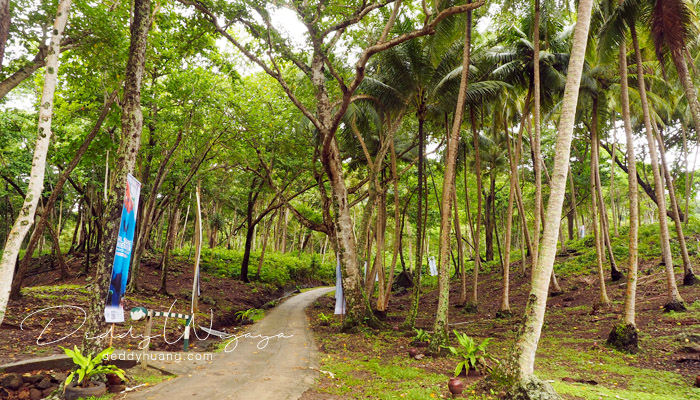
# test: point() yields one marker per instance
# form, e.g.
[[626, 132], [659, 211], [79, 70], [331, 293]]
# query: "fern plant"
[[421, 336], [89, 366], [471, 354]]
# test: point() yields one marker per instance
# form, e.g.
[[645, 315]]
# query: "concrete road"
[[254, 369]]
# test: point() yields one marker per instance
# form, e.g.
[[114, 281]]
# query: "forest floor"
[[572, 354], [220, 299]]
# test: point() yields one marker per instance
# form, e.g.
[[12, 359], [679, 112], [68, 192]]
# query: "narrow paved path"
[[279, 371]]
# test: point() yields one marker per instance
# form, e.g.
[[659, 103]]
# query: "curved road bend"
[[279, 371]]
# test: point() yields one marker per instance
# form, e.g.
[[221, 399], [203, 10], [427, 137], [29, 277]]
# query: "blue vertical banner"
[[114, 311]]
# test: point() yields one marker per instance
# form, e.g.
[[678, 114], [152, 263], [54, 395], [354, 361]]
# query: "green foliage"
[[89, 366], [471, 354], [325, 318], [279, 269], [421, 336], [253, 314]]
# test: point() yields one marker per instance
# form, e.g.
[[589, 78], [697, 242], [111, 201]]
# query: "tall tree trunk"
[[410, 321], [526, 345], [490, 216], [688, 277], [441, 336], [612, 181], [169, 244], [504, 309], [470, 225], [477, 231], [615, 274], [36, 178], [675, 301], [597, 208], [536, 150], [629, 341], [632, 261], [132, 124]]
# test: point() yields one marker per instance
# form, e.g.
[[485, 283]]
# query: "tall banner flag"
[[339, 298], [114, 311]]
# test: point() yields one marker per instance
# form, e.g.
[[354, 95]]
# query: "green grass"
[[56, 292], [379, 379], [279, 269], [562, 357]]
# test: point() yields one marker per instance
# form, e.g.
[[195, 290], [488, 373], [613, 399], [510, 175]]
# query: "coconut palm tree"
[[526, 344]]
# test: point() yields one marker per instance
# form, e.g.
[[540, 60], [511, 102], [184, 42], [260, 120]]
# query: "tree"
[[327, 113], [36, 181], [440, 336], [628, 327], [132, 124], [675, 301], [526, 344]]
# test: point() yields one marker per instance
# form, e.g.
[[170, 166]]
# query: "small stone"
[[59, 377], [44, 383], [12, 381], [419, 356], [697, 381], [32, 379], [47, 392], [35, 394], [23, 394]]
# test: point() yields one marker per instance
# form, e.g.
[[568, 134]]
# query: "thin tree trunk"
[[441, 336], [612, 180], [477, 232], [463, 287], [505, 300], [36, 178], [596, 207], [675, 301], [526, 345], [689, 277], [615, 274], [631, 291], [536, 150], [410, 320]]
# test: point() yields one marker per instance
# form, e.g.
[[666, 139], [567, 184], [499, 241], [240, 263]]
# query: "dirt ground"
[[26, 335], [572, 326]]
